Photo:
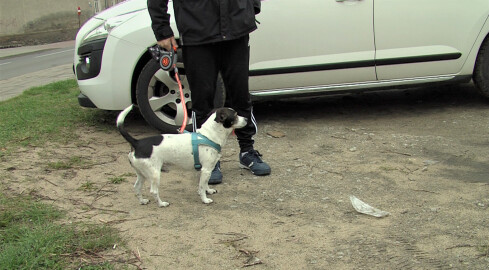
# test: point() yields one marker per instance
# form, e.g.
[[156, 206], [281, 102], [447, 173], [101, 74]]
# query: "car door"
[[419, 38], [311, 46]]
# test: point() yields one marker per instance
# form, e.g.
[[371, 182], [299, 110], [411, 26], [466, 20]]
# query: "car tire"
[[481, 71], [158, 98]]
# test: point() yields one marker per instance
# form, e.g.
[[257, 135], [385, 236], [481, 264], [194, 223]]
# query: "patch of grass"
[[87, 186], [72, 162], [117, 180], [484, 250], [120, 179], [33, 237], [49, 112]]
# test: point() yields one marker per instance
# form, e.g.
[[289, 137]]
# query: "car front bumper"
[[105, 72]]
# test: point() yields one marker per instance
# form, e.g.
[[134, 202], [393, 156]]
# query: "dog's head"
[[229, 118]]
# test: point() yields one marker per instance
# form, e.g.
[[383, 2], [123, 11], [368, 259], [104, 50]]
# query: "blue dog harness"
[[199, 139]]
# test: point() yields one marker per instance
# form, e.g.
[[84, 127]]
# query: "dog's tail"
[[120, 126]]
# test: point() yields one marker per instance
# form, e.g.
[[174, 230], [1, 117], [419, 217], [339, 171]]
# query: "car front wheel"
[[481, 72], [158, 98]]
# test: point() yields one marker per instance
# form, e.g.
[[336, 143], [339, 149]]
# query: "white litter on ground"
[[366, 209]]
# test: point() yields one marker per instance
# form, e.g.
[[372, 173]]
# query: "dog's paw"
[[163, 204], [211, 191], [207, 200], [143, 201]]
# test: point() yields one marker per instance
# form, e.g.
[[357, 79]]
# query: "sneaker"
[[251, 160], [216, 175]]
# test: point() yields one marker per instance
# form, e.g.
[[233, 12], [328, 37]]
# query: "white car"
[[300, 48]]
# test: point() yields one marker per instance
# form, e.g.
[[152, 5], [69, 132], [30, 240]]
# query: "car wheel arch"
[[145, 57], [481, 68]]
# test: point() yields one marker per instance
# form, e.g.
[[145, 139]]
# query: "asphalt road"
[[23, 64]]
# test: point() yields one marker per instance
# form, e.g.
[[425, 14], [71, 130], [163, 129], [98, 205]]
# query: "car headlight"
[[104, 29]]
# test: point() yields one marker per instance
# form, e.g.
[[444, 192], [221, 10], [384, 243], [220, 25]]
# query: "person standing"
[[214, 36]]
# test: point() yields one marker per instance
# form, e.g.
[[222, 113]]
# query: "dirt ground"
[[421, 155]]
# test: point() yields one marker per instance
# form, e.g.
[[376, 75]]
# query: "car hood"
[[124, 7]]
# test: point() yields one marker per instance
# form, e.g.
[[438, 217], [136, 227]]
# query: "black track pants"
[[202, 65]]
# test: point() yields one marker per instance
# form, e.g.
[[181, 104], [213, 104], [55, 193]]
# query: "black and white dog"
[[149, 154]]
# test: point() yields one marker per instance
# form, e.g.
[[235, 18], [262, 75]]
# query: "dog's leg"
[[141, 178], [204, 189], [137, 187], [155, 183]]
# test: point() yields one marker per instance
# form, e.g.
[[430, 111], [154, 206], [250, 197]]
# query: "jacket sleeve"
[[256, 5], [160, 19]]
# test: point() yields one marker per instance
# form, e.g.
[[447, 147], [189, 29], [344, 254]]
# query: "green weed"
[[72, 162], [88, 186], [117, 180], [121, 178]]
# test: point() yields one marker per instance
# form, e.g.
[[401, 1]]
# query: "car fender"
[[124, 48], [468, 67]]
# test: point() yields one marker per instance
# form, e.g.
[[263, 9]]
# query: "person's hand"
[[168, 43]]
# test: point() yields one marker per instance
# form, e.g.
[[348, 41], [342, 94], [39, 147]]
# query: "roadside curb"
[[15, 86]]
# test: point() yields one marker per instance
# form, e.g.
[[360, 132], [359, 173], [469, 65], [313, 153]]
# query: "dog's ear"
[[219, 116], [225, 117]]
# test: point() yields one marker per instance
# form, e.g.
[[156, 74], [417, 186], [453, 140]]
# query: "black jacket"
[[204, 21]]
